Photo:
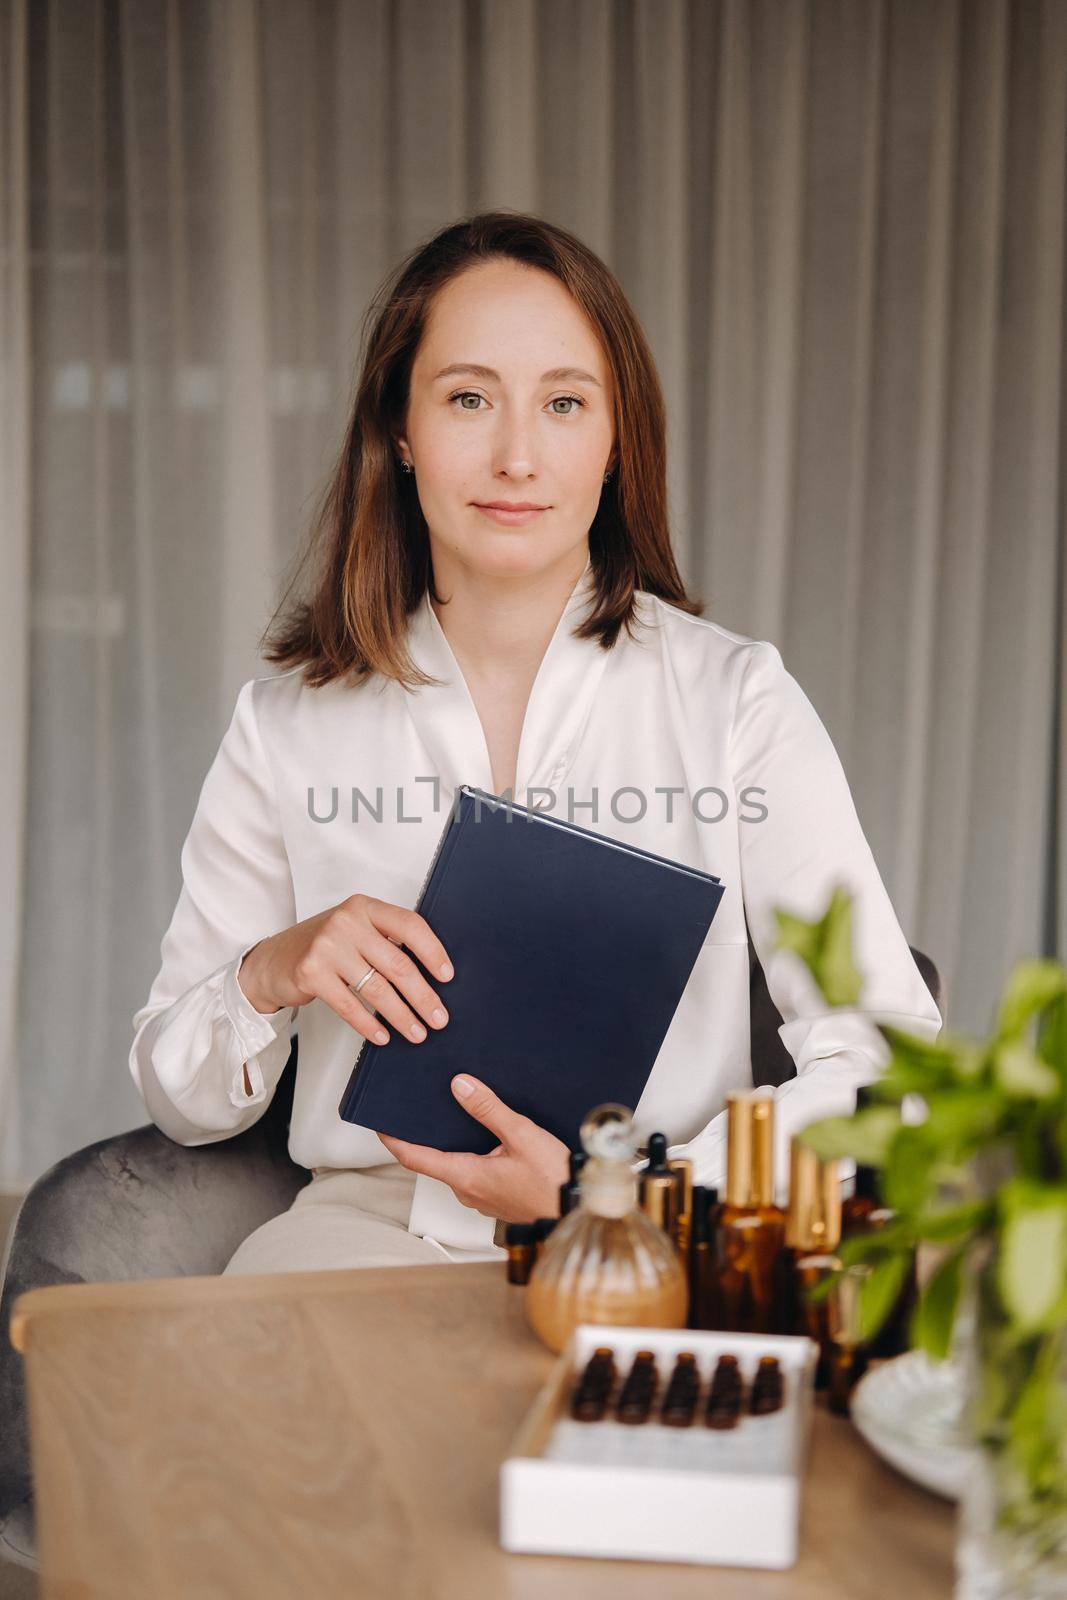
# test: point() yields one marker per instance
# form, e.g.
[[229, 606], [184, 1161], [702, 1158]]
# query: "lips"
[[510, 514]]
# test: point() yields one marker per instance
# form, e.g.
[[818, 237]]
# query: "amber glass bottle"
[[750, 1232], [812, 1235], [702, 1263]]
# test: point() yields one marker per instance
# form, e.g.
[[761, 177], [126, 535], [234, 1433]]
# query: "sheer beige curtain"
[[14, 552], [842, 222]]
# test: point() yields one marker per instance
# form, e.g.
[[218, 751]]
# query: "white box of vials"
[[655, 1492]]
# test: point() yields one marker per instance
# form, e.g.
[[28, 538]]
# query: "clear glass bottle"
[[606, 1261]]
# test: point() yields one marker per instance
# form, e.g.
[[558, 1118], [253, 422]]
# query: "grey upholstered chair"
[[136, 1205], [140, 1206], [771, 1061]]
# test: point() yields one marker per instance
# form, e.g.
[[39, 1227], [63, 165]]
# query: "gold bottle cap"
[[683, 1171], [749, 1148], [814, 1217], [659, 1199]]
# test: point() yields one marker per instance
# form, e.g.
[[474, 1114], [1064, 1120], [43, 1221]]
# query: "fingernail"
[[446, 970], [463, 1087], [417, 1030], [440, 1016], [381, 1037]]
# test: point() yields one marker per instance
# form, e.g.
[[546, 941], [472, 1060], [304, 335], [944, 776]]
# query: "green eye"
[[472, 394]]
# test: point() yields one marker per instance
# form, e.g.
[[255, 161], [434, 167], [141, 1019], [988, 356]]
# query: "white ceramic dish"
[[909, 1412]]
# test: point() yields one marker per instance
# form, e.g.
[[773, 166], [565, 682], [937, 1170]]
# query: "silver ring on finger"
[[366, 976]]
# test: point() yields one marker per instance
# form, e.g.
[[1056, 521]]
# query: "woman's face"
[[532, 425]]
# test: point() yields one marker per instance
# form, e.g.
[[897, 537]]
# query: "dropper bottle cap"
[[657, 1153], [749, 1148], [813, 1221]]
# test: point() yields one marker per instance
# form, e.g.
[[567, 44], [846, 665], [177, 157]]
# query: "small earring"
[[406, 466], [607, 477]]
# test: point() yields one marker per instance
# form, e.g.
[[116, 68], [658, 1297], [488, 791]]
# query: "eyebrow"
[[553, 375]]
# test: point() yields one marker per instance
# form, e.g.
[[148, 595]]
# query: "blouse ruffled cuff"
[[255, 1031]]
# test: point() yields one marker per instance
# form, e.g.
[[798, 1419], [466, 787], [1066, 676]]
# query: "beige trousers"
[[347, 1217]]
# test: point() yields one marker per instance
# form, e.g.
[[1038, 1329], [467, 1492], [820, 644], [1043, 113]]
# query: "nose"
[[514, 446]]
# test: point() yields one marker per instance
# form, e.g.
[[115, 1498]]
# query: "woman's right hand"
[[319, 959]]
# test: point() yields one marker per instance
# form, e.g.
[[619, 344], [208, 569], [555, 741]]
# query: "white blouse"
[[687, 740]]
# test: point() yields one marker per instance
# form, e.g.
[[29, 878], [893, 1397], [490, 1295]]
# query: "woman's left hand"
[[517, 1182]]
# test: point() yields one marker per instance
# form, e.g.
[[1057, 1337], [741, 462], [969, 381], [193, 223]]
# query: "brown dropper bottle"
[[703, 1309], [751, 1228], [657, 1187], [812, 1235], [570, 1192]]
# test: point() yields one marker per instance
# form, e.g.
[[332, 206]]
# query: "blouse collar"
[[557, 711]]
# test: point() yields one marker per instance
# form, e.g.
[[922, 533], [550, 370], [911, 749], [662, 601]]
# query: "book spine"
[[446, 844]]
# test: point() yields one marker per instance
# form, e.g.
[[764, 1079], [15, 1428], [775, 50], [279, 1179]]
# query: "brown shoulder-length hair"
[[369, 550]]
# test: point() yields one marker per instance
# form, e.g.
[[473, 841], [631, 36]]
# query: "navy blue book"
[[571, 952]]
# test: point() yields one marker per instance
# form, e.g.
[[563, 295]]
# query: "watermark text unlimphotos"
[[630, 803]]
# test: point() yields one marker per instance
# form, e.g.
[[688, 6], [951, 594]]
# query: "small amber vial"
[[723, 1409], [519, 1239], [680, 1400], [589, 1399], [637, 1394], [767, 1387]]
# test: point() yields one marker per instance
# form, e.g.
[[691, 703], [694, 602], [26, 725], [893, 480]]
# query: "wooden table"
[[340, 1433]]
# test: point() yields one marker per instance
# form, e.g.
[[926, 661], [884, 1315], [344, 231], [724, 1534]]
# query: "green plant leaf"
[[890, 1239], [863, 1137], [821, 1289], [826, 948], [959, 1119], [935, 1310], [969, 1056], [889, 1086], [1031, 985], [839, 977], [931, 1064], [954, 1222], [1021, 1072], [1032, 1255], [1038, 1418], [880, 1290], [1052, 1036], [908, 1179]]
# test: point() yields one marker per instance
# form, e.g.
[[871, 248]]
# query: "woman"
[[496, 603]]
